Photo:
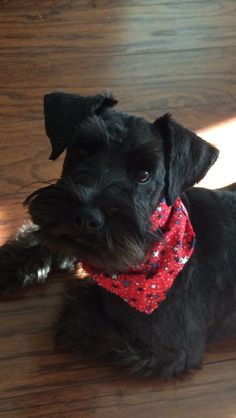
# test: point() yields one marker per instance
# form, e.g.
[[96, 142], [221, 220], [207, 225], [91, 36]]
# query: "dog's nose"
[[89, 219]]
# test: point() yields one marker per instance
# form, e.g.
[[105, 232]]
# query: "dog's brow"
[[147, 153]]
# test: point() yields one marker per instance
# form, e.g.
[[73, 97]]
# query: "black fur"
[[99, 211]]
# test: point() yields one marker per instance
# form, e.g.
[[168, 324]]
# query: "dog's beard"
[[114, 249], [122, 242]]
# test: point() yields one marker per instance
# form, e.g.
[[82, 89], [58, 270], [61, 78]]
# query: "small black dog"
[[124, 207]]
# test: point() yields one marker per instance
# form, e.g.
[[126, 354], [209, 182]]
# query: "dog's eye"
[[143, 176]]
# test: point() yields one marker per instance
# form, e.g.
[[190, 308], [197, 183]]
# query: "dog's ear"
[[187, 156], [64, 111]]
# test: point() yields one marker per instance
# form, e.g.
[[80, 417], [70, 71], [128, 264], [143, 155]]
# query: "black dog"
[[120, 172]]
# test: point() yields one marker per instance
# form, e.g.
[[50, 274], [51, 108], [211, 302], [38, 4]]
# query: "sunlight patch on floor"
[[4, 227], [223, 135]]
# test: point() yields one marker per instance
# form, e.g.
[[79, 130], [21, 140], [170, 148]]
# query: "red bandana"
[[145, 287]]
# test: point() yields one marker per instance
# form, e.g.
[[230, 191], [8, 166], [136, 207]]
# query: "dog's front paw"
[[22, 266], [10, 263]]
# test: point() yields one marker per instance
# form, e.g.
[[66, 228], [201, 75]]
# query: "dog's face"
[[116, 170]]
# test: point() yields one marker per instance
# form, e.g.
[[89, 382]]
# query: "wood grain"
[[156, 56]]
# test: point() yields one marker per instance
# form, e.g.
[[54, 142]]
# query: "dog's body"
[[116, 171]]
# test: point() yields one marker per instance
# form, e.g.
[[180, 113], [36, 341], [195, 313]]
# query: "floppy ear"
[[187, 156], [64, 111]]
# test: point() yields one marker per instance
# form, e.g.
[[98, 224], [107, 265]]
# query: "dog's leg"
[[82, 323], [84, 326], [24, 260], [129, 340], [156, 349]]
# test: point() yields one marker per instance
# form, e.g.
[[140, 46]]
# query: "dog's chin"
[[108, 256], [113, 262]]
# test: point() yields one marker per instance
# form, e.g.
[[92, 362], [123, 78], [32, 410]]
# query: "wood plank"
[[173, 80], [159, 26]]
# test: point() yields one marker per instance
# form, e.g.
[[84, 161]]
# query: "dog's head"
[[116, 169]]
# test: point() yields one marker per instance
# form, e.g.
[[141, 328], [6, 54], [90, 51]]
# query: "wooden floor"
[[156, 56]]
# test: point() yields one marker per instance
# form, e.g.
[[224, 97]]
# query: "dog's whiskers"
[[52, 181]]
